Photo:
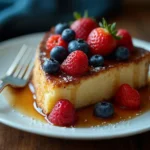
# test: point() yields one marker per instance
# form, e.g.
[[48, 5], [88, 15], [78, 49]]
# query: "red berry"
[[76, 63], [83, 27], [63, 113], [125, 40], [101, 42], [128, 97], [55, 40]]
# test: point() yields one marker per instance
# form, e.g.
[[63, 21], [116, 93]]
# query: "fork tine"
[[26, 64], [29, 70], [22, 62], [16, 60]]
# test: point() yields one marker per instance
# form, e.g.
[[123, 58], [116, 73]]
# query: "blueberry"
[[60, 27], [78, 44], [96, 61], [58, 53], [122, 53], [68, 35], [103, 110], [51, 66]]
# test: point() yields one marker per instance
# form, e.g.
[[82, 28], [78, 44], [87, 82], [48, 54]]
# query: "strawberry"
[[102, 40], [75, 64], [125, 40], [128, 97], [83, 26], [55, 40], [63, 113]]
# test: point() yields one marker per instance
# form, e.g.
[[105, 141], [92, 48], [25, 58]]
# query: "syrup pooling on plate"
[[23, 101]]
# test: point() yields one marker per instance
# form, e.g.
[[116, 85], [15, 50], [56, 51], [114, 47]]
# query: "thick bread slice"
[[88, 90]]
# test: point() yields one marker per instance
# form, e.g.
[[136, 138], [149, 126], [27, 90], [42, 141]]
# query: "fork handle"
[[2, 85]]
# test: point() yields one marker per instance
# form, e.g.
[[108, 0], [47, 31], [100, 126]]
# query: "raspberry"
[[125, 40], [128, 97], [55, 40], [63, 113], [75, 64]]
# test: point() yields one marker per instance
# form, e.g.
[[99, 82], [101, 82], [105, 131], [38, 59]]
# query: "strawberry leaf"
[[104, 23], [77, 15], [118, 37], [111, 28], [85, 14], [101, 25]]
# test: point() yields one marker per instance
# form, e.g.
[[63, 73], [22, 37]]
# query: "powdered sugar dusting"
[[67, 78]]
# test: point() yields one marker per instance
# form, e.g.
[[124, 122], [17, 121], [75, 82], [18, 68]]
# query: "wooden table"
[[138, 24]]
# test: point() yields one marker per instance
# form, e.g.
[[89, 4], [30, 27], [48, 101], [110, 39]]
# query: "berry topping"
[[63, 113], [102, 40], [60, 27], [51, 66], [103, 110], [55, 40], [68, 35], [83, 26], [78, 45], [128, 97], [125, 40], [76, 63], [122, 53], [96, 61], [58, 53]]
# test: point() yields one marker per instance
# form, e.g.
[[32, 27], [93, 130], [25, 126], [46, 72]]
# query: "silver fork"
[[19, 72]]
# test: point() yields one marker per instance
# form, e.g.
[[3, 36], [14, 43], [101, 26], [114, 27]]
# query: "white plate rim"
[[73, 132]]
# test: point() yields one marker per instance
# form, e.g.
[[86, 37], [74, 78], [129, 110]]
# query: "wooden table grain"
[[138, 24]]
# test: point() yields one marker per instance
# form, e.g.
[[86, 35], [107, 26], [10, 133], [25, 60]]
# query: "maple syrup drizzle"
[[23, 101]]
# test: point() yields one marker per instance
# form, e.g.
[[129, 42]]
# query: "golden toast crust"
[[96, 85]]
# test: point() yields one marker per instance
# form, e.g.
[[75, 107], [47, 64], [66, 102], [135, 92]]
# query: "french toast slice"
[[98, 84]]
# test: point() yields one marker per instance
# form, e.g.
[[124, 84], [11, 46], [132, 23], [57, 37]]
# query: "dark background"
[[19, 17]]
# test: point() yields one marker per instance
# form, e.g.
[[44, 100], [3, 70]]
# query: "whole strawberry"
[[75, 64], [102, 40], [83, 26], [55, 40], [125, 39], [128, 97], [63, 113]]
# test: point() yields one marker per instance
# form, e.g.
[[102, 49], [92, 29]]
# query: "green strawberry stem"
[[78, 15], [85, 14], [111, 28]]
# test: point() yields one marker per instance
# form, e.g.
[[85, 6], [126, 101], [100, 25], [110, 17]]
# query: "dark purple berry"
[[103, 110]]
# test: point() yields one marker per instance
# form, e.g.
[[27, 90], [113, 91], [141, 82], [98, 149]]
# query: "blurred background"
[[19, 17]]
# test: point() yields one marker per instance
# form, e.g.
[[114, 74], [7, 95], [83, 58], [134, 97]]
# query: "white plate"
[[15, 119]]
